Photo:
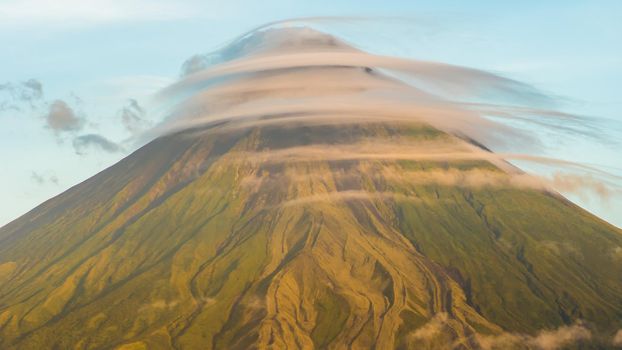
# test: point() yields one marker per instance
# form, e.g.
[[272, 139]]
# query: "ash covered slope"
[[322, 228]]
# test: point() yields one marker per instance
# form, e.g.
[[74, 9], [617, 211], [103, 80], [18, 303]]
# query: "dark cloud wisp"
[[41, 179], [133, 117], [82, 143]]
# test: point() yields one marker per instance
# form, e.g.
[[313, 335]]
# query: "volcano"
[[272, 211]]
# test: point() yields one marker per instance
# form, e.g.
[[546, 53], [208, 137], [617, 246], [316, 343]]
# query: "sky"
[[75, 76]]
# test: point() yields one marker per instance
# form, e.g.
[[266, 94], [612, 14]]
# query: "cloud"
[[554, 339], [438, 333], [452, 80], [14, 96], [272, 49], [348, 196], [59, 116], [453, 177], [133, 117], [435, 331], [62, 118], [35, 89], [432, 329], [561, 337], [302, 72], [566, 181], [269, 51], [583, 185], [194, 64], [37, 178], [279, 77], [41, 179], [84, 142]]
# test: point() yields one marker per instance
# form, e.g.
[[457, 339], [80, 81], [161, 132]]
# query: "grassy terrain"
[[194, 242]]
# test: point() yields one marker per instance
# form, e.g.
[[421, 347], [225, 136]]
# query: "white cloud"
[[553, 339], [134, 86]]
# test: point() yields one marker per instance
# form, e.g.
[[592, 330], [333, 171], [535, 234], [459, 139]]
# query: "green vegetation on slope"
[[191, 243]]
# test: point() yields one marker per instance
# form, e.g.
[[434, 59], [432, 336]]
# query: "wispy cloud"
[[15, 96], [561, 337], [552, 339], [41, 179], [38, 178], [436, 333], [432, 329], [82, 143], [64, 119], [296, 75], [133, 117]]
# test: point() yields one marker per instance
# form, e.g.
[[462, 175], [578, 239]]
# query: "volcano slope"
[[299, 199], [245, 237]]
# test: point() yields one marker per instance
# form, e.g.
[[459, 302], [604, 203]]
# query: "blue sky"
[[97, 56]]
